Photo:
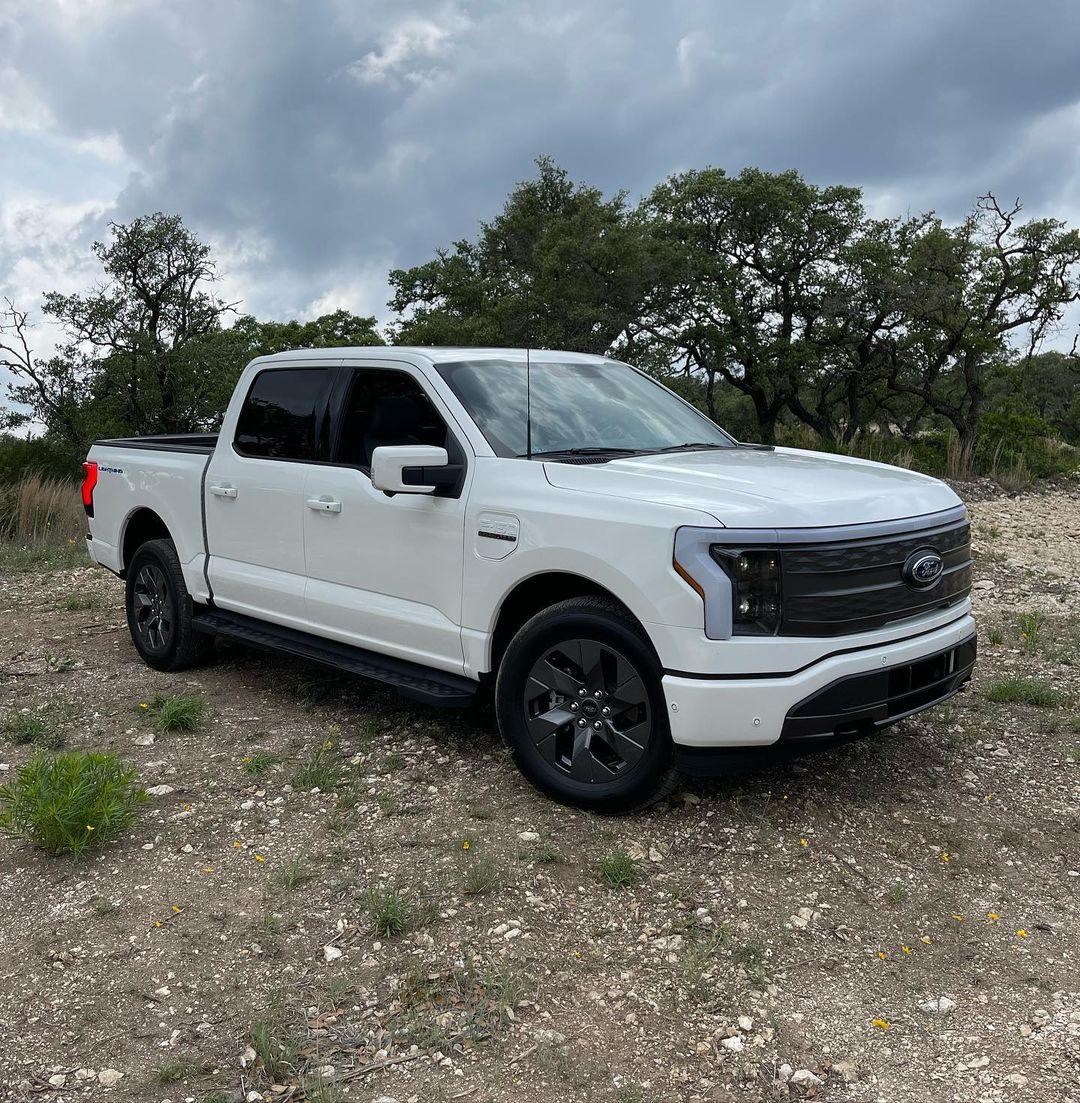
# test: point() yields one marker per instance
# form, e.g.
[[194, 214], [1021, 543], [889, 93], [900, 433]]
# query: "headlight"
[[755, 588]]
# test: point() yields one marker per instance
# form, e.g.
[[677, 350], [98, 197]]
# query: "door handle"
[[324, 505], [223, 491]]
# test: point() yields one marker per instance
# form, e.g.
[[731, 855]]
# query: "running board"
[[419, 683]]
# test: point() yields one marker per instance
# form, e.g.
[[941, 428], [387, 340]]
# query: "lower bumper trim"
[[865, 702]]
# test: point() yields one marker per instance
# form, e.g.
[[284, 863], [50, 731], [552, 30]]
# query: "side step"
[[419, 683]]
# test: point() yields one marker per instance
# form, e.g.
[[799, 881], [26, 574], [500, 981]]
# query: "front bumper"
[[841, 694]]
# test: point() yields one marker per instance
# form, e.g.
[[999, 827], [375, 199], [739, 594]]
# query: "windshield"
[[586, 407]]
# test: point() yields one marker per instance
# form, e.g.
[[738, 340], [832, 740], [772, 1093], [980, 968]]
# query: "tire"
[[159, 610], [569, 664]]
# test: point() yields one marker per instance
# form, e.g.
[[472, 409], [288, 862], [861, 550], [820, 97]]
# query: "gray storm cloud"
[[320, 143]]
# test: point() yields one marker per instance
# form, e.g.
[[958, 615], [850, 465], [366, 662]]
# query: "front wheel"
[[580, 703], [159, 610]]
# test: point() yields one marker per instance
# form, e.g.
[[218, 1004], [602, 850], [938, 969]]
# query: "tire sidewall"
[[538, 636], [152, 553]]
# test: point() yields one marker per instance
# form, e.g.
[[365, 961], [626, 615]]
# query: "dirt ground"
[[893, 920]]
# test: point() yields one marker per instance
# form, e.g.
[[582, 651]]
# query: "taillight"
[[88, 484]]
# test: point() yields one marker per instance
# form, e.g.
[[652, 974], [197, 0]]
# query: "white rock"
[[58, 1080], [331, 953], [784, 1073], [160, 790], [937, 1005], [145, 740], [109, 1078], [806, 1077], [254, 1096], [735, 1044], [85, 1074], [745, 1022], [528, 836]]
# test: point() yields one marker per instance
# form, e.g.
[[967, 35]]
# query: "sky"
[[318, 143]]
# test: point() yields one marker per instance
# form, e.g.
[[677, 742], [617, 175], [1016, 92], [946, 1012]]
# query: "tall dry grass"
[[41, 524]]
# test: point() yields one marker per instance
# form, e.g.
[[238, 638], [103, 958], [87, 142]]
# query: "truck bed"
[[201, 443]]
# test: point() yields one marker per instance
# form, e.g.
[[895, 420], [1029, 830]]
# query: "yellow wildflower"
[[466, 845], [803, 842], [906, 949], [1021, 933], [259, 858], [959, 918], [992, 917], [881, 1024], [89, 827]]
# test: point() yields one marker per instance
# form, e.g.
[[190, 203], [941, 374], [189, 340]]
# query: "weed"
[[273, 1045], [270, 924], [389, 911], [618, 870], [174, 1072], [321, 771], [482, 875], [387, 802], [25, 727], [258, 762], [338, 826], [896, 895], [395, 761], [322, 1089], [1030, 626], [546, 854], [996, 637], [177, 713], [80, 603], [753, 956], [1023, 691], [293, 875], [70, 801]]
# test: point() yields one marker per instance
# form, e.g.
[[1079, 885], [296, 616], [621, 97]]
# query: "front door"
[[385, 572], [254, 495]]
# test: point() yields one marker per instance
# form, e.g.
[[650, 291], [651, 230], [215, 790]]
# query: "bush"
[[67, 802]]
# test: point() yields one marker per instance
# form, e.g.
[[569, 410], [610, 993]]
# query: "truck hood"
[[746, 488]]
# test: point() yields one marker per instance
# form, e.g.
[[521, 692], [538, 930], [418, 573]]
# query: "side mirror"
[[412, 469]]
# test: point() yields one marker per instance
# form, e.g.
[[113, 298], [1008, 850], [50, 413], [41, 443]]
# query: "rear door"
[[385, 572], [254, 492]]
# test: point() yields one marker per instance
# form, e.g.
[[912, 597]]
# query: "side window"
[[279, 416], [385, 407]]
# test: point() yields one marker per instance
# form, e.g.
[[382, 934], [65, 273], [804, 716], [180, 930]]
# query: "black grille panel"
[[835, 588]]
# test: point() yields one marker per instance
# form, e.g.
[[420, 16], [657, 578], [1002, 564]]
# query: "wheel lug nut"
[[598, 725], [606, 711], [573, 706], [581, 722], [599, 694], [581, 693]]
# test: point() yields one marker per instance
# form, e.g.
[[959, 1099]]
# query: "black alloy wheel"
[[154, 616], [580, 703], [587, 710]]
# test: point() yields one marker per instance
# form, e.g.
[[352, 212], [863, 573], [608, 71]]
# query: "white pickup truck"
[[641, 590]]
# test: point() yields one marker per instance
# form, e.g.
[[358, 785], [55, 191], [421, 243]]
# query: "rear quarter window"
[[280, 415]]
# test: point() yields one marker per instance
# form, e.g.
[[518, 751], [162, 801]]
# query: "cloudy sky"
[[317, 143]]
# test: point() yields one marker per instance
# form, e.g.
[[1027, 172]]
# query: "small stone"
[[109, 1078], [58, 1080], [85, 1074], [1017, 1079], [745, 1022], [784, 1073], [160, 790], [806, 1078], [735, 1044], [145, 740], [331, 953], [528, 836], [937, 1005]]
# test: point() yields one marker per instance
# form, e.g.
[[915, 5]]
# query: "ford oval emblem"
[[923, 569]]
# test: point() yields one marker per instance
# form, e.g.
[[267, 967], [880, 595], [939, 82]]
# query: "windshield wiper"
[[585, 452], [693, 446]]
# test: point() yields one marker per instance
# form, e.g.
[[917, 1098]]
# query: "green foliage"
[[482, 875], [25, 727], [321, 771], [259, 762], [1023, 691], [618, 870], [558, 267], [293, 875], [178, 713], [71, 801]]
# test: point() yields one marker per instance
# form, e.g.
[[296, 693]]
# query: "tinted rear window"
[[279, 415]]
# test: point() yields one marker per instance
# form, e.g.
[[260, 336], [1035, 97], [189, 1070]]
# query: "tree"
[[559, 267], [752, 283], [975, 298]]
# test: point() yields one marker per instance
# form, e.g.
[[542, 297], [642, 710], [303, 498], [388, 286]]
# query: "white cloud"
[[409, 51]]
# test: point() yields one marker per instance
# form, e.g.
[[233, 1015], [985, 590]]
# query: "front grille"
[[839, 587]]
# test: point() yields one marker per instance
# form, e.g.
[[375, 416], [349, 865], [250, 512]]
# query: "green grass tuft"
[[293, 875], [618, 870], [178, 713], [389, 911], [321, 771], [24, 727], [258, 762], [71, 801], [1023, 691]]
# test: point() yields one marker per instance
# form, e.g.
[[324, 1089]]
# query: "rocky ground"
[[892, 920]]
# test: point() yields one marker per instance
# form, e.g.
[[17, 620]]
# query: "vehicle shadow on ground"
[[876, 771]]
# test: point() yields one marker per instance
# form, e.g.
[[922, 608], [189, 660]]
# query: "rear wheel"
[[580, 703], [159, 610]]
